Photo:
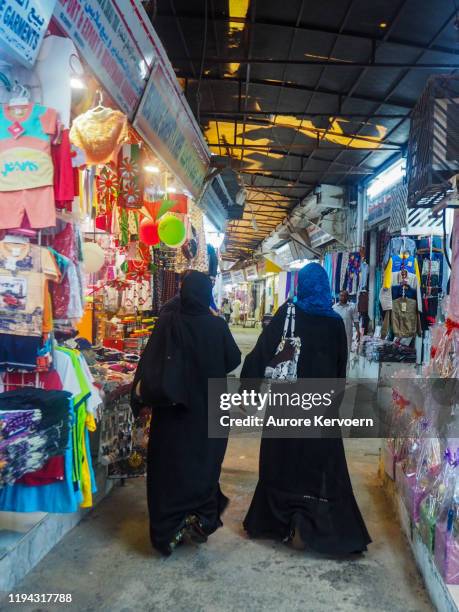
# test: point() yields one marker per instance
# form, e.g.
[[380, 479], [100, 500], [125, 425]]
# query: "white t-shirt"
[[58, 56], [348, 312]]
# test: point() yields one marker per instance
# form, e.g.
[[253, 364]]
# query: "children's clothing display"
[[26, 165]]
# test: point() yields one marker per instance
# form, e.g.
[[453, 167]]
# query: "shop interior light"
[[171, 190], [386, 179], [77, 83], [152, 169]]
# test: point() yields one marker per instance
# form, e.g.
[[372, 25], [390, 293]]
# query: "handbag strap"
[[289, 321], [293, 317]]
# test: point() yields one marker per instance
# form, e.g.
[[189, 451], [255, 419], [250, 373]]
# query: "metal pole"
[[371, 277]]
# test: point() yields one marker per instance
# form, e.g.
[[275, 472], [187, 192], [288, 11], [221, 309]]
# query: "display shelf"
[[30, 536], [444, 597]]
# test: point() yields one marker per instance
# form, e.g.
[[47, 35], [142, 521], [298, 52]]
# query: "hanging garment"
[[64, 182], [328, 266], [100, 132], [339, 262], [400, 245], [403, 319], [364, 275], [26, 166], [58, 56], [352, 278], [343, 271], [401, 275], [24, 298]]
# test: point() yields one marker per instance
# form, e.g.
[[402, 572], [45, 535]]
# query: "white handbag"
[[283, 367]]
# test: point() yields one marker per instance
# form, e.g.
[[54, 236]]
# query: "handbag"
[[283, 367]]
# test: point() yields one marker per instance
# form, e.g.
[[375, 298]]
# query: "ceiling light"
[[76, 83], [383, 25], [171, 190], [152, 169]]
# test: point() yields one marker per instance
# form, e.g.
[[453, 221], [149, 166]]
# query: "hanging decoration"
[[130, 177], [148, 232], [107, 189], [172, 231]]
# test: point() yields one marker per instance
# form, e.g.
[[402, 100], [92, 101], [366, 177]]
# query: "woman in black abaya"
[[188, 346], [304, 490]]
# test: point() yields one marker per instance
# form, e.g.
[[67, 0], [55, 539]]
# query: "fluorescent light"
[[386, 179], [152, 169], [171, 190], [76, 83]]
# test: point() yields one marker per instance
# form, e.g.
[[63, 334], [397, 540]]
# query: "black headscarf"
[[195, 294]]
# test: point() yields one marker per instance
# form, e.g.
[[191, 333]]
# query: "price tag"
[[403, 306]]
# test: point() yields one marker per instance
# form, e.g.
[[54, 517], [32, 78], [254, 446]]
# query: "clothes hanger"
[[100, 98], [20, 95]]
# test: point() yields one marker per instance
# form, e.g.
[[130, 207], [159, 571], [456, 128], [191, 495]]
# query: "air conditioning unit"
[[330, 197], [433, 148]]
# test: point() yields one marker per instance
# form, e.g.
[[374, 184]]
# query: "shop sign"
[[318, 236], [251, 273], [237, 276], [23, 24], [167, 124], [116, 39], [380, 208]]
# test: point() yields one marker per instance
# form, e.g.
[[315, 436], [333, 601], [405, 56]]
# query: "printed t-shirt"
[[24, 272], [26, 166]]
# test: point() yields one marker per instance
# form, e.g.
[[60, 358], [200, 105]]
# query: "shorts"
[[18, 352], [37, 203]]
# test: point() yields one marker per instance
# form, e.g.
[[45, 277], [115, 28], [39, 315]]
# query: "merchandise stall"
[[420, 458], [99, 216], [254, 291]]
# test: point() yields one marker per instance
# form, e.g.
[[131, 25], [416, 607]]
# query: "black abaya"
[[184, 464], [304, 484]]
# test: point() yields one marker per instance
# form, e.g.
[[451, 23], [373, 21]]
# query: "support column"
[[371, 277]]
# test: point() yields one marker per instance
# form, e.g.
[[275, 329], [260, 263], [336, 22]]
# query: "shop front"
[[104, 169]]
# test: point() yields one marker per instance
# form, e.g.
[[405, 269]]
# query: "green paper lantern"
[[172, 231]]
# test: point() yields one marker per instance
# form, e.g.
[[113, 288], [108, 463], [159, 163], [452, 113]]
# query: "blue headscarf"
[[313, 292]]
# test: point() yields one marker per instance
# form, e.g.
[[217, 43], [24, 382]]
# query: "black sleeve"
[[231, 349], [256, 361], [342, 350], [136, 401]]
